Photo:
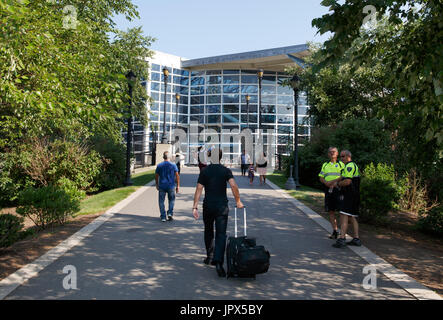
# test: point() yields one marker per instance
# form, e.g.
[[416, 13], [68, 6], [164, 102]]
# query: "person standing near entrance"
[[349, 200], [262, 164], [215, 209], [329, 175], [245, 161], [166, 176]]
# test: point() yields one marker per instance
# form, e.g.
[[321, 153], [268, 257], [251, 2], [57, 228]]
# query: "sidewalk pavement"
[[133, 255]]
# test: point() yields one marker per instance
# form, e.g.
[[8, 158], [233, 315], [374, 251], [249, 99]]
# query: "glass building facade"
[[216, 99]]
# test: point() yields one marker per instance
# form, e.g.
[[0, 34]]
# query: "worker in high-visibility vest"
[[329, 175], [349, 200]]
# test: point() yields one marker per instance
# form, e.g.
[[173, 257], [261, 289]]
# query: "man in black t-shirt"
[[215, 209]]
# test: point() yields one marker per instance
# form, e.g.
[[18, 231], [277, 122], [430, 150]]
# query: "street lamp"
[[130, 76], [294, 183], [248, 97], [177, 98], [166, 74], [260, 77]]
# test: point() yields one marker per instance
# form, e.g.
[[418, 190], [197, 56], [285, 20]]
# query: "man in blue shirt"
[[165, 176]]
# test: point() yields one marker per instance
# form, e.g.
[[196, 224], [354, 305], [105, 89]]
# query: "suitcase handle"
[[244, 219]]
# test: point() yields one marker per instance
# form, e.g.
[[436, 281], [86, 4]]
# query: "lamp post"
[[248, 97], [294, 183], [177, 98], [260, 77], [130, 76], [166, 74]]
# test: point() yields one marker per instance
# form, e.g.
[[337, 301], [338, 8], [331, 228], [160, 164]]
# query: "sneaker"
[[334, 235], [170, 217], [341, 243], [163, 220], [355, 242]]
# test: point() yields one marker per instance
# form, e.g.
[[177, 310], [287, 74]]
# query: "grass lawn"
[[104, 200], [311, 197]]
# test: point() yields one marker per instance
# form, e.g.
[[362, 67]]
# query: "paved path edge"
[[410, 285], [16, 279]]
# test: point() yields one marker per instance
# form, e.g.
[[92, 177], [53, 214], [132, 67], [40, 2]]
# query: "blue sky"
[[202, 28]]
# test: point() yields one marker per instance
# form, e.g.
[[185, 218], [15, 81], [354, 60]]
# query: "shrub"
[[378, 193], [432, 221], [113, 153], [47, 205], [366, 139], [10, 227]]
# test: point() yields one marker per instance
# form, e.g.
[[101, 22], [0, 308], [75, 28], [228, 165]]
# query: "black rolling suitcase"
[[243, 257]]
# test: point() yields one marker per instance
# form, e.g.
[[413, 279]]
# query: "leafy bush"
[[47, 205], [378, 193], [71, 189], [366, 139], [10, 227], [432, 221], [113, 153]]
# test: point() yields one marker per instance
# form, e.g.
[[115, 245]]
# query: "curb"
[[32, 269], [410, 285]]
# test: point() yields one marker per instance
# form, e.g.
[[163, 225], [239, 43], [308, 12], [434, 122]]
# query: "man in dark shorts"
[[349, 200], [329, 176], [215, 208]]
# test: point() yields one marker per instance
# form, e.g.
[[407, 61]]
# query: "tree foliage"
[[409, 46]]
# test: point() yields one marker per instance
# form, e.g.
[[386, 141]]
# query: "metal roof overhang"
[[277, 59]]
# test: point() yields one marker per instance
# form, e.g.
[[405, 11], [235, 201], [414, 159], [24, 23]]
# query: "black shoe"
[[355, 242], [341, 243], [220, 271], [170, 218], [207, 260], [334, 235]]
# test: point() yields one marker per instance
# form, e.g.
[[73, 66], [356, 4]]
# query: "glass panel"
[[249, 89], [196, 109], [197, 90], [302, 101], [155, 106], [285, 119], [200, 119], [183, 119], [267, 119], [155, 67], [268, 99], [183, 109], [268, 89], [184, 100], [213, 109], [213, 119], [177, 80], [155, 86], [253, 99], [302, 130], [213, 89], [208, 72], [231, 71], [268, 108], [155, 76], [231, 79], [249, 79], [154, 116], [284, 140], [285, 100], [269, 80], [230, 108], [231, 98], [184, 91], [162, 89], [284, 129], [198, 100], [252, 108], [197, 81], [231, 89], [302, 111], [285, 109], [230, 118], [197, 73], [285, 90], [184, 81], [252, 118], [214, 99], [304, 120], [214, 80], [155, 96]]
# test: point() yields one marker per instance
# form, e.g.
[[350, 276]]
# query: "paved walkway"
[[133, 255]]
